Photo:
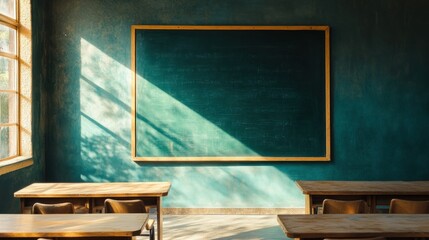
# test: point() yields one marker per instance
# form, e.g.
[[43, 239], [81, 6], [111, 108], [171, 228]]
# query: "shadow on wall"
[[105, 146]]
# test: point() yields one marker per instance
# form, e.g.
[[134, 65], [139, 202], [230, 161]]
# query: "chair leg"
[[152, 234]]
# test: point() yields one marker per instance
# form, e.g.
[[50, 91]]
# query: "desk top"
[[71, 225], [355, 225], [79, 190], [364, 187]]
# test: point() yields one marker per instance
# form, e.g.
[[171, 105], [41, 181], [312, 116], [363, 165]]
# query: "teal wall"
[[380, 104], [11, 182]]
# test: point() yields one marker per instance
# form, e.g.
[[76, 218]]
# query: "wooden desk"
[[319, 226], [375, 193], [80, 226], [91, 196]]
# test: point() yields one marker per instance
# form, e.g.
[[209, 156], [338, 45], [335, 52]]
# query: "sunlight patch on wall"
[[105, 91], [105, 117], [234, 187], [170, 128], [105, 144]]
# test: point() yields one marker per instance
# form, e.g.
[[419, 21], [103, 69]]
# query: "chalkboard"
[[230, 93]]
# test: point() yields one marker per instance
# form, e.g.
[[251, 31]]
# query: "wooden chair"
[[331, 206], [373, 238], [130, 206], [55, 208], [408, 207]]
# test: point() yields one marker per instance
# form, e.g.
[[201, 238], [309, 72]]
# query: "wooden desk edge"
[[300, 187], [19, 194], [88, 195], [282, 226], [385, 233], [67, 234]]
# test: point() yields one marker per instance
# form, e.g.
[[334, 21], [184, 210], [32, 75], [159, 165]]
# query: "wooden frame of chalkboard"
[[265, 118]]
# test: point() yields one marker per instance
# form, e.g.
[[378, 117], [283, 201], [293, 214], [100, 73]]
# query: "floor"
[[226, 227]]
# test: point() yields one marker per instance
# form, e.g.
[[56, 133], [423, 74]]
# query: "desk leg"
[[308, 204], [372, 204], [22, 203], [90, 203], [159, 218]]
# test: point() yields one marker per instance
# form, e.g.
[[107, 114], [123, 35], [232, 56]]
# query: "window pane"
[[7, 74], [7, 39], [8, 107], [7, 7], [8, 141]]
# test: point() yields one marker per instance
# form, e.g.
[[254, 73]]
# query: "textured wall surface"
[[11, 182], [380, 105]]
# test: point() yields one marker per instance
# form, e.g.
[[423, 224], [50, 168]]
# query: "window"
[[15, 84], [8, 80]]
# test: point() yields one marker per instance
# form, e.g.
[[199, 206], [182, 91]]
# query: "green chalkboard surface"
[[225, 94]]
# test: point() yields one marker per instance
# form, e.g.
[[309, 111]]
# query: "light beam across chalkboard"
[[230, 93]]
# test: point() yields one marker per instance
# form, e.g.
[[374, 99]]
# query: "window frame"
[[22, 89], [11, 23]]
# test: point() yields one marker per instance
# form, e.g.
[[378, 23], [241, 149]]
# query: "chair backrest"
[[408, 207], [331, 206], [54, 208], [372, 238], [124, 206]]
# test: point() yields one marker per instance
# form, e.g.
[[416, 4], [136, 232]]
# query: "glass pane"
[[7, 39], [8, 108], [8, 141], [7, 74], [7, 7]]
